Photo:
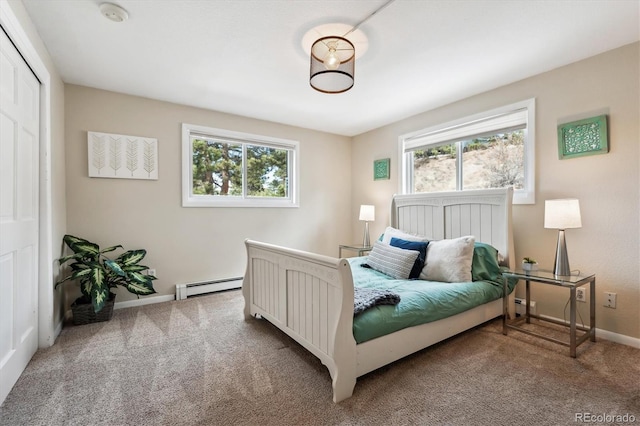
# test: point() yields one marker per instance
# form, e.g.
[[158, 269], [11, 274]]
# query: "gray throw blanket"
[[365, 298]]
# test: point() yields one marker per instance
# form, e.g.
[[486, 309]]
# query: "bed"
[[310, 297]]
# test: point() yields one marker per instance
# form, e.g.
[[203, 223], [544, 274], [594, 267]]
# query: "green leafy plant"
[[97, 274], [529, 260]]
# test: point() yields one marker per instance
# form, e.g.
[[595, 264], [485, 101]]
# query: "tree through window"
[[231, 169]]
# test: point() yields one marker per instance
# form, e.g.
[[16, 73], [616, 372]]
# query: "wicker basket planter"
[[83, 312]]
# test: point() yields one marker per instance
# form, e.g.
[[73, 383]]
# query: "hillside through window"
[[490, 150]]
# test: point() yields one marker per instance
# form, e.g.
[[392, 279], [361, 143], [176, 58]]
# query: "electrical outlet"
[[151, 272], [610, 300], [581, 294]]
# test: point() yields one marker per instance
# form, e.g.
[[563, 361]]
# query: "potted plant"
[[97, 274], [529, 264]]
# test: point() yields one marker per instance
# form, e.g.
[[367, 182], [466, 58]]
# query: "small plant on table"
[[529, 264]]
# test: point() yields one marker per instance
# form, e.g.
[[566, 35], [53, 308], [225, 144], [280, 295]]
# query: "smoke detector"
[[113, 12]]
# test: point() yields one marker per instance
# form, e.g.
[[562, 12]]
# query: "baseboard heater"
[[521, 307], [193, 289]]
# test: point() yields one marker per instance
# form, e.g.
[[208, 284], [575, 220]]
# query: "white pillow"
[[393, 261], [391, 232], [449, 260]]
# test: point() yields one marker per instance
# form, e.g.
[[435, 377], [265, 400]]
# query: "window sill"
[[260, 203]]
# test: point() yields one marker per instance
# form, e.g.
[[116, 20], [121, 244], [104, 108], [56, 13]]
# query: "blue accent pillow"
[[416, 246]]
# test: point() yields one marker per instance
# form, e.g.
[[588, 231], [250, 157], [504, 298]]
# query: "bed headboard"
[[485, 214]]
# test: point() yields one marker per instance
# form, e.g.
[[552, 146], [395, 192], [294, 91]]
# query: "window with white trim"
[[493, 149], [223, 168]]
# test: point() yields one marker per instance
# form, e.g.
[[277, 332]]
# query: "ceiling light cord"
[[368, 17], [356, 26]]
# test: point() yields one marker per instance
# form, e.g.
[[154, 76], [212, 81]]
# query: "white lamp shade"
[[367, 213], [562, 214]]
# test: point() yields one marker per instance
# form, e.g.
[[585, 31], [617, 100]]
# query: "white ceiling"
[[245, 57]]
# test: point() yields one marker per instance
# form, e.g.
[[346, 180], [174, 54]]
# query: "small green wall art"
[[583, 137], [381, 169]]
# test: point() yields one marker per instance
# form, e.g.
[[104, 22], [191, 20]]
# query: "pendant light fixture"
[[333, 61]]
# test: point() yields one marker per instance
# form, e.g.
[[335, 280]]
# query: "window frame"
[[191, 200], [526, 195]]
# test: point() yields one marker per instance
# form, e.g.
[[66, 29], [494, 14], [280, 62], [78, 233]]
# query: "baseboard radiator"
[[193, 289]]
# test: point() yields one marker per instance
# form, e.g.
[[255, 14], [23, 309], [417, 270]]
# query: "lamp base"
[[561, 264], [365, 240]]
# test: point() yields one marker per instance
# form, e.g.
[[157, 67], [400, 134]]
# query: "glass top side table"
[[569, 281], [354, 247]]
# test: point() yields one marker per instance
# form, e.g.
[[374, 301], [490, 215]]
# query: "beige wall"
[[195, 244], [608, 186], [206, 243], [56, 154]]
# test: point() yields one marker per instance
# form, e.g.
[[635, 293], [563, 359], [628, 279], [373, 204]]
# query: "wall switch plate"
[[610, 300], [581, 294], [151, 272]]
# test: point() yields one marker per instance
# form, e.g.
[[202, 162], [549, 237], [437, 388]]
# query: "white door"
[[19, 150]]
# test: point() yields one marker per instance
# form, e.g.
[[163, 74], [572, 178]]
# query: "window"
[[223, 168], [494, 149]]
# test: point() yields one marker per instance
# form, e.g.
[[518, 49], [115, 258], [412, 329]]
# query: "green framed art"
[[583, 137], [381, 169]]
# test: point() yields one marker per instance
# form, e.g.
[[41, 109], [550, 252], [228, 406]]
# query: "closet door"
[[19, 152]]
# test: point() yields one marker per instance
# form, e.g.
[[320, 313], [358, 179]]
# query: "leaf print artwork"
[[122, 156]]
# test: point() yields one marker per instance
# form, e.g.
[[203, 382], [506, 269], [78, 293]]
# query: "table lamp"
[[367, 213], [562, 214]]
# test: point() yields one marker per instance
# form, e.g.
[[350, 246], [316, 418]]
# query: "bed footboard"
[[309, 297]]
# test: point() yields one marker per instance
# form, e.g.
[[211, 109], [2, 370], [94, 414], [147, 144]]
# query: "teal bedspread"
[[421, 301]]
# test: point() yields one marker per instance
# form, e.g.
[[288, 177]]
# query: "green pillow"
[[485, 266]]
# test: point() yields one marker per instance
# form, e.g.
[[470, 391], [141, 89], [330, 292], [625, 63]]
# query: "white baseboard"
[[126, 304], [607, 335], [147, 300], [618, 338]]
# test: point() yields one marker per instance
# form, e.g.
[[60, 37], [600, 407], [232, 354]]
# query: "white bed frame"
[[310, 296]]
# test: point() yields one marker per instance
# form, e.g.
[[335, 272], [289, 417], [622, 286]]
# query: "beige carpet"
[[197, 362]]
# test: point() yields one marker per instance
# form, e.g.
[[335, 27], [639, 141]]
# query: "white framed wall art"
[[122, 156]]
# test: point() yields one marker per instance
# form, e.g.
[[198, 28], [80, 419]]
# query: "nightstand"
[[571, 282], [354, 247]]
